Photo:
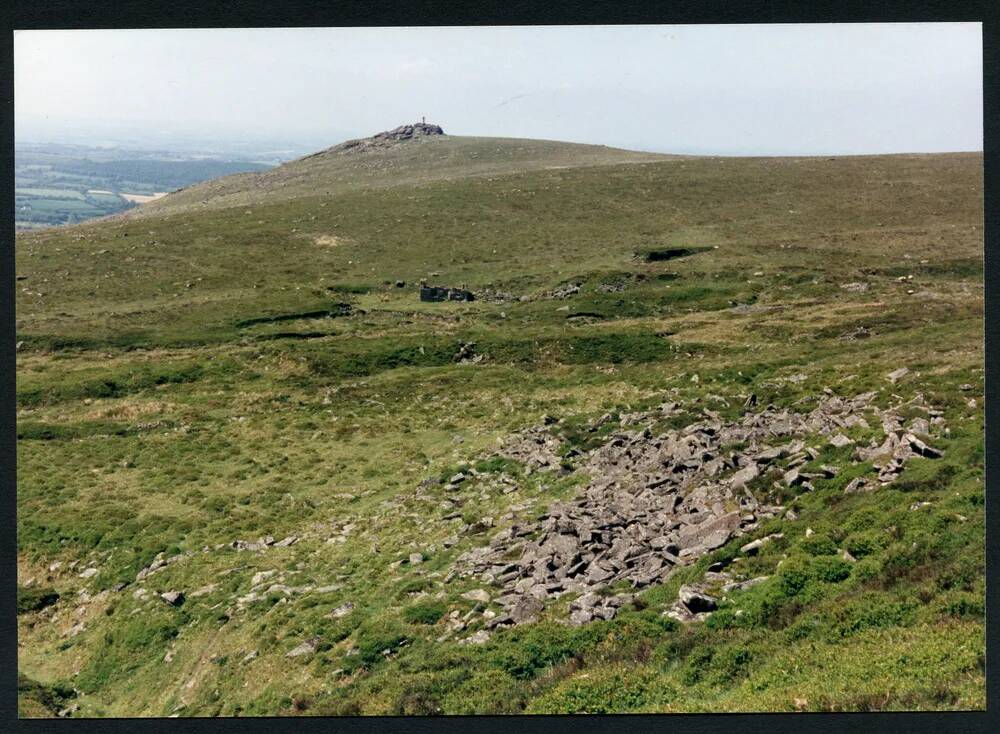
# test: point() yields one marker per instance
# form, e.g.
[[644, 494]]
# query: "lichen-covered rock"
[[306, 648], [696, 601]]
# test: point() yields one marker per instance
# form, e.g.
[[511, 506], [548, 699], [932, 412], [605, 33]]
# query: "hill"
[[420, 160], [236, 393]]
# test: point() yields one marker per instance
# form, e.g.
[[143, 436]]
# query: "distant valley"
[[67, 184]]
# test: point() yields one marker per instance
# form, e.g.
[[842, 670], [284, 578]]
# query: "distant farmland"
[[57, 185]]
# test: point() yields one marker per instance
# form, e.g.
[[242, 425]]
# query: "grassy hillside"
[[237, 361], [417, 161]]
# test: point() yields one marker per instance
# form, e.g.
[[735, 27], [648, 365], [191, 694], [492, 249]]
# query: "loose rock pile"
[[563, 291], [658, 502], [466, 354], [536, 448], [261, 544], [890, 457], [264, 543], [491, 295], [697, 601], [566, 290]]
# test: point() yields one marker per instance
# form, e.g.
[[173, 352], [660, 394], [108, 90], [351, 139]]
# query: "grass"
[[182, 385]]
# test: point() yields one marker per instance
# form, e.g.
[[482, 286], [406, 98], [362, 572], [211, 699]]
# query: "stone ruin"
[[434, 293], [657, 502]]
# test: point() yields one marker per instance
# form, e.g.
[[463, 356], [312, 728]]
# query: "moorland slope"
[[258, 475]]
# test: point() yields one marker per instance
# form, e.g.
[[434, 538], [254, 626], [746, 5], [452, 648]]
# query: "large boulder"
[[696, 600], [342, 611], [526, 609], [306, 648], [744, 476], [173, 598], [477, 595], [710, 534]]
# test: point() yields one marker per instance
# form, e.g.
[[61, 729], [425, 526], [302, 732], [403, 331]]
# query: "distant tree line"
[[166, 175]]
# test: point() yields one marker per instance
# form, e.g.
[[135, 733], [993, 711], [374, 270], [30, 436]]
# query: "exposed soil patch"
[[143, 198], [328, 240]]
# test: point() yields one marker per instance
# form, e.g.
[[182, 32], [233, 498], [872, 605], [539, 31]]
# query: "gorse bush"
[[532, 649], [819, 545], [830, 570]]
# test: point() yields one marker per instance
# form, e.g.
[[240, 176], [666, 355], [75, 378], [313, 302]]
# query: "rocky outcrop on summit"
[[388, 138], [656, 502]]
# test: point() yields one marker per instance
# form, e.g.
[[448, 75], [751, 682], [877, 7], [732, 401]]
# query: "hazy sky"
[[757, 89]]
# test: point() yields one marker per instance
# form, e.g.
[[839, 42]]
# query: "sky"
[[817, 89]]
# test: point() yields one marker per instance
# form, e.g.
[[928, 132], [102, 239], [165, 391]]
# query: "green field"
[[42, 204], [50, 193], [237, 360]]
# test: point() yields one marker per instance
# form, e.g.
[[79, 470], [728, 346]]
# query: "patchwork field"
[[254, 467], [59, 184]]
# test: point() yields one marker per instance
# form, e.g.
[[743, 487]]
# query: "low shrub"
[[523, 653], [818, 545], [425, 612]]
